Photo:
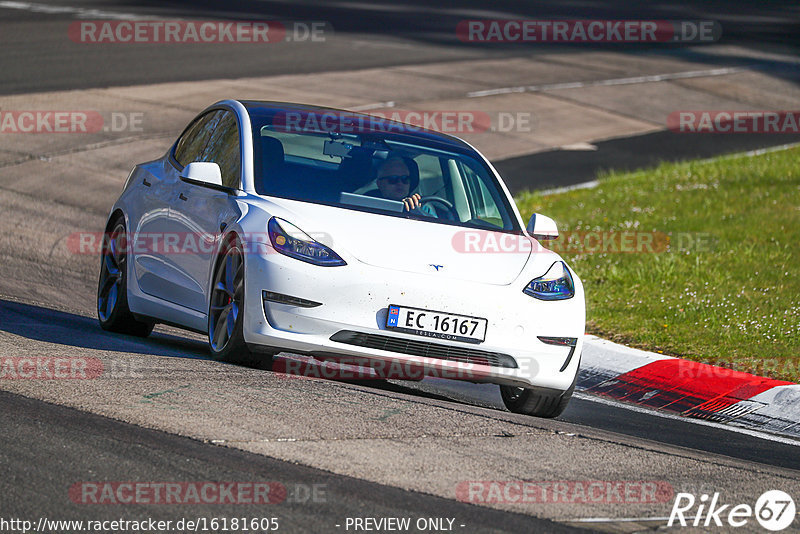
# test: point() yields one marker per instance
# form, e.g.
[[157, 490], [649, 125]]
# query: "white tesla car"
[[279, 227]]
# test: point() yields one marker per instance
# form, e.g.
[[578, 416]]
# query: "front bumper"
[[351, 320]]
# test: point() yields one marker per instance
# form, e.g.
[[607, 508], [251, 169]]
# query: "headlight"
[[555, 284], [291, 241]]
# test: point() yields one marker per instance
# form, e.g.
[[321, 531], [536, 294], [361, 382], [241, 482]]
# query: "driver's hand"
[[412, 202]]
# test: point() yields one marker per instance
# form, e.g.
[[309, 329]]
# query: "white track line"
[[613, 519], [612, 81], [375, 105], [556, 190], [80, 12], [648, 411], [594, 183], [761, 151]]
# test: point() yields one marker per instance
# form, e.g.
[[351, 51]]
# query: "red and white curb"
[[689, 389]]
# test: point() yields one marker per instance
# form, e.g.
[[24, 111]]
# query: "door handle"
[[182, 197], [145, 182]]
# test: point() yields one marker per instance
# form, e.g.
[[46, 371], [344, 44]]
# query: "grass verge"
[[711, 258]]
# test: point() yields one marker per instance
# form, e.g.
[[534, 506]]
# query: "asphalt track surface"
[[81, 332], [377, 33], [46, 448], [564, 168], [386, 33]]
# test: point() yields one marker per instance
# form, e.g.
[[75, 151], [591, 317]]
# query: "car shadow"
[[297, 366], [54, 326]]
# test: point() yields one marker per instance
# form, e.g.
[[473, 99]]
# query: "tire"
[[226, 310], [112, 287], [536, 403]]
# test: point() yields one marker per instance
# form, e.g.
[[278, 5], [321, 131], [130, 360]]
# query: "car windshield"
[[327, 158]]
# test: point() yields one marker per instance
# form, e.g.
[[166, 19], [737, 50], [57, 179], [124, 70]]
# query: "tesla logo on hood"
[[437, 267]]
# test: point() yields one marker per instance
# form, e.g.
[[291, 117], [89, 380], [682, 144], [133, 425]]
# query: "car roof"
[[369, 124]]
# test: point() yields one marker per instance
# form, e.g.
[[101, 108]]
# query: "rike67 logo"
[[774, 510]]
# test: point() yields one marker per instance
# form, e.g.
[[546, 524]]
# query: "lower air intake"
[[424, 349]]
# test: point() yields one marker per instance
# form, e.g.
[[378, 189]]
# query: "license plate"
[[436, 324]]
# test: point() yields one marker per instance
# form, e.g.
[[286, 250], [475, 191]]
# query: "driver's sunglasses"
[[393, 179]]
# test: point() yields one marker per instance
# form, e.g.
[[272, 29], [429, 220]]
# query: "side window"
[[193, 142], [223, 149], [430, 176], [483, 203]]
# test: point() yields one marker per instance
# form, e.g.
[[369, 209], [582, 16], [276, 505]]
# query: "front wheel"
[[112, 288], [538, 404], [226, 309]]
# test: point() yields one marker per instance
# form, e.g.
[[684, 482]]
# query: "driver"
[[394, 181]]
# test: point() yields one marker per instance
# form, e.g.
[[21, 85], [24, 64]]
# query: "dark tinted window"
[[294, 160], [193, 142], [223, 149]]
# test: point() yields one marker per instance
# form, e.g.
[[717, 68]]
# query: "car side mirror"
[[542, 227], [205, 173]]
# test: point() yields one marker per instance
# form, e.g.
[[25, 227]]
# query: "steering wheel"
[[443, 202]]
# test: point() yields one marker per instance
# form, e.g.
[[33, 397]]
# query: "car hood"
[[411, 245]]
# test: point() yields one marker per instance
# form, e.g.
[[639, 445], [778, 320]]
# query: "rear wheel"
[[112, 288], [532, 402], [226, 309]]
